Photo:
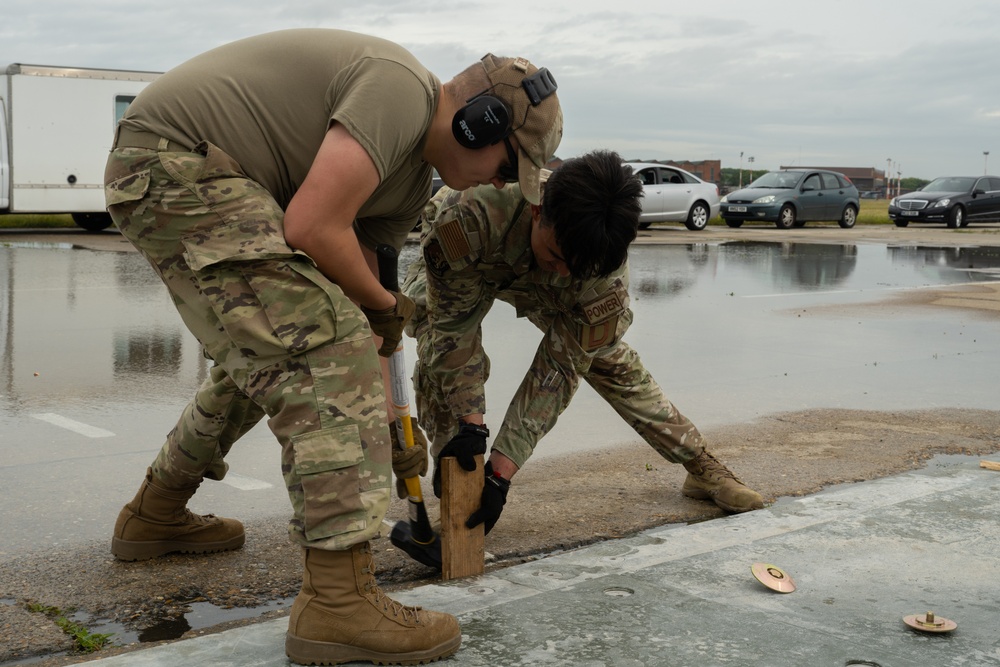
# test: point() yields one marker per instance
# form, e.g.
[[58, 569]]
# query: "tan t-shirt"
[[268, 101]]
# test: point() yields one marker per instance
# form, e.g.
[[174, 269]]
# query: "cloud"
[[695, 81]]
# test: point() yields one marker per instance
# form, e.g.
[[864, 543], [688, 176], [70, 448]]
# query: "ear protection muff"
[[482, 122], [485, 119]]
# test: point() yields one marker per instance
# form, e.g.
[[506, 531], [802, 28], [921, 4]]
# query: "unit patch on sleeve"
[[596, 336], [605, 306]]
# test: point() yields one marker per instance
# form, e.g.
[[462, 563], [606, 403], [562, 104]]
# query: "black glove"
[[408, 461], [389, 323], [494, 498], [470, 440]]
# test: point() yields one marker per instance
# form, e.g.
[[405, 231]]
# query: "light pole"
[[888, 169], [741, 169], [986, 163]]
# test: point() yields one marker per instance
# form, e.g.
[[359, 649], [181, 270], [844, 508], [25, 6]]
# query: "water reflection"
[[673, 275], [799, 265], [973, 263], [89, 324], [78, 322], [152, 352], [781, 264]]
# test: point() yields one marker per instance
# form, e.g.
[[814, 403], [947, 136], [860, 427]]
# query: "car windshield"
[[777, 179], [950, 184]]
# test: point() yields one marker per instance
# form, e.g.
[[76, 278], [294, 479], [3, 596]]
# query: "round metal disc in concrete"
[[929, 623], [773, 577]]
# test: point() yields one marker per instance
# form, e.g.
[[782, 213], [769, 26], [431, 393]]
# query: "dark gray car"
[[792, 197]]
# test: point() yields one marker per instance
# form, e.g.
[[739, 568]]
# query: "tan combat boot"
[[341, 615], [709, 479], [158, 522]]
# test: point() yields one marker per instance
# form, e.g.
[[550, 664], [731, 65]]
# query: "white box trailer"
[[58, 125]]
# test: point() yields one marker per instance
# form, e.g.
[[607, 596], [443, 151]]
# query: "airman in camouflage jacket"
[[477, 249]]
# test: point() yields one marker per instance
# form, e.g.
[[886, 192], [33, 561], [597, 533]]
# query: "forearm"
[[340, 257]]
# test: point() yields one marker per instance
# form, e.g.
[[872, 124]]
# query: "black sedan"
[[953, 200]]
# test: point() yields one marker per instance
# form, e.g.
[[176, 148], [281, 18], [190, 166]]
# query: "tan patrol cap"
[[537, 123]]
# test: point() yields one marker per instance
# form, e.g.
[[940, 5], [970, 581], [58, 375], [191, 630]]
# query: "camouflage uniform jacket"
[[476, 249]]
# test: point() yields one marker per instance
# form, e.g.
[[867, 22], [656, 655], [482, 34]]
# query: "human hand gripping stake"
[[469, 442]]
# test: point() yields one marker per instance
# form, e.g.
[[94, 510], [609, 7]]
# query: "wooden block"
[[463, 550], [989, 465]]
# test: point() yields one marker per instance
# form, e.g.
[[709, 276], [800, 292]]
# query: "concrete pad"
[[863, 556]]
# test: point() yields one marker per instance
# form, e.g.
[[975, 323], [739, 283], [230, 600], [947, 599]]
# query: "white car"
[[674, 195]]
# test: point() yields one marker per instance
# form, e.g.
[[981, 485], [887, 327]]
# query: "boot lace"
[[711, 467], [189, 517], [379, 597]]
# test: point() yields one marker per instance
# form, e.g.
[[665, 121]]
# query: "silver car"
[[674, 195]]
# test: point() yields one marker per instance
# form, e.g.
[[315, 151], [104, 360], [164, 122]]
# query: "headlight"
[[766, 199], [892, 202], [724, 199], [941, 203]]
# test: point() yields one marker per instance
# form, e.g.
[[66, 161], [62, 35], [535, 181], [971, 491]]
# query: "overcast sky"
[[842, 83]]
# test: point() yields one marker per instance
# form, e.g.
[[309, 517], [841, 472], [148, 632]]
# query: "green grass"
[[40, 221], [86, 641], [873, 212]]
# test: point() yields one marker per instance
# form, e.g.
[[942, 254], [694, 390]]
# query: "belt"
[[127, 138]]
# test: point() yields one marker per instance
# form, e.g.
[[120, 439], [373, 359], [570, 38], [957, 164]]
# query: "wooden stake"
[[463, 550], [989, 465]]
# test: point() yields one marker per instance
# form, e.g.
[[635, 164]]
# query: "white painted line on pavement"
[[71, 425], [244, 483]]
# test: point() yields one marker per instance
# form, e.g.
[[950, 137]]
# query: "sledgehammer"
[[415, 537]]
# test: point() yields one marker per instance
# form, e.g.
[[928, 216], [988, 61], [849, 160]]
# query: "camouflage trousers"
[[286, 341], [616, 373]]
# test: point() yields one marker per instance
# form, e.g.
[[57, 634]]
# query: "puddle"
[[201, 615]]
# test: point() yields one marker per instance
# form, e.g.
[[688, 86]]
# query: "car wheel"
[[848, 217], [697, 217], [955, 217], [786, 218], [733, 223], [902, 223], [93, 222], [644, 225]]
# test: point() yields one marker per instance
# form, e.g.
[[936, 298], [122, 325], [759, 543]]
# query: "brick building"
[[706, 170]]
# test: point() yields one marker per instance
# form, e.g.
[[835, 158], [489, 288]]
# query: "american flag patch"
[[453, 240]]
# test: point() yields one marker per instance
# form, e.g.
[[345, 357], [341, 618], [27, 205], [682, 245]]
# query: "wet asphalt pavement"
[[96, 367]]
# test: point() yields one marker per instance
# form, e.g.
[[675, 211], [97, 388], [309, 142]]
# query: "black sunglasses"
[[508, 172]]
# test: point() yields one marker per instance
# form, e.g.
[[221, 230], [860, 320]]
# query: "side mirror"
[[977, 192]]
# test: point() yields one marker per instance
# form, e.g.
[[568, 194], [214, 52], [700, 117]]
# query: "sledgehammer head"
[[429, 554]]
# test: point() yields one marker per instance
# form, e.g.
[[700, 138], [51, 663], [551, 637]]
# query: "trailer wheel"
[[92, 222]]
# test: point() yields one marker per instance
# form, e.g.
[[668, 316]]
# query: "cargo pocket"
[[270, 299], [127, 188], [246, 240], [328, 464]]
